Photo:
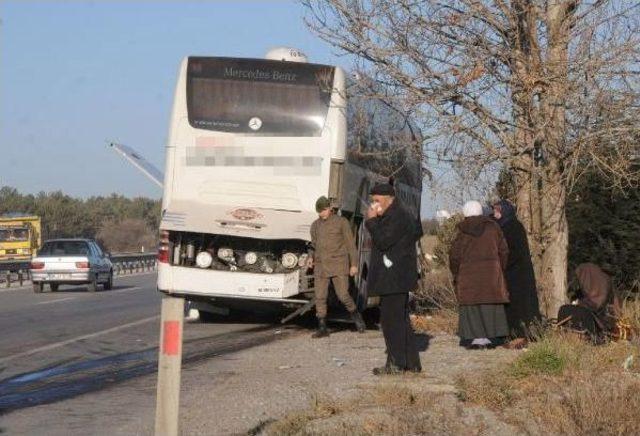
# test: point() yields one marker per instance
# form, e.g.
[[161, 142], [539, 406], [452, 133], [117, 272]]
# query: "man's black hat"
[[383, 189]]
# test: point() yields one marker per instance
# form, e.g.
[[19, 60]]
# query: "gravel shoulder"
[[236, 392], [246, 390]]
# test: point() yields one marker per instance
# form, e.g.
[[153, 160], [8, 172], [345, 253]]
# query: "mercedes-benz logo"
[[255, 123]]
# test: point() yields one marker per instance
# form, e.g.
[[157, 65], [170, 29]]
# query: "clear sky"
[[76, 74]]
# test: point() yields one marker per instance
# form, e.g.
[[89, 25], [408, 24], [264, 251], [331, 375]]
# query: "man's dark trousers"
[[398, 333]]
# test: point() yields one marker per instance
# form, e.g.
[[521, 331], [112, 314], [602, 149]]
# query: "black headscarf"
[[507, 212]]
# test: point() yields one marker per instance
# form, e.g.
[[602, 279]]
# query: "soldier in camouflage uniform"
[[334, 257]]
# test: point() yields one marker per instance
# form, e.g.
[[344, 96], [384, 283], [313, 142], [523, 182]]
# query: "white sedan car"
[[71, 262]]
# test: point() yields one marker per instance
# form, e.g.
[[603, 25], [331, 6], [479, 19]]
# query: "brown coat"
[[334, 249], [477, 261], [597, 292]]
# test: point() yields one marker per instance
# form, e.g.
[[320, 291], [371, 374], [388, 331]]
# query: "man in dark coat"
[[392, 274], [477, 259], [523, 309]]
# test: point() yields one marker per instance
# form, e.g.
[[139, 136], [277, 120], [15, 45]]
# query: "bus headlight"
[[289, 260], [225, 254], [250, 258], [204, 259]]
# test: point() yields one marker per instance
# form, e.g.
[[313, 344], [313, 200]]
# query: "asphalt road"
[[59, 346], [30, 322]]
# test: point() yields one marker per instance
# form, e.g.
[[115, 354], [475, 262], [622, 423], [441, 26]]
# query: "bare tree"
[[128, 235], [537, 87]]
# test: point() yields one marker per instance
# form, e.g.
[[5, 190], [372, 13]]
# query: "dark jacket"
[[394, 235], [597, 295], [524, 307], [334, 249], [477, 260]]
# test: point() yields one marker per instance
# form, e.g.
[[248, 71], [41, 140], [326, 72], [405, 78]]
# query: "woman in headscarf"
[[596, 311], [477, 260], [523, 309]]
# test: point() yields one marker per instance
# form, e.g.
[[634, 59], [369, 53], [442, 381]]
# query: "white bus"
[[252, 144]]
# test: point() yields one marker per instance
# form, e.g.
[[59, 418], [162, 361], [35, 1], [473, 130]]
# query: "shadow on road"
[[66, 380]]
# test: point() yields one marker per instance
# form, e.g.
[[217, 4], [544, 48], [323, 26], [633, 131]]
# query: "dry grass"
[[561, 385], [437, 304], [436, 291], [630, 312], [492, 390], [441, 321], [391, 408], [566, 384], [295, 423]]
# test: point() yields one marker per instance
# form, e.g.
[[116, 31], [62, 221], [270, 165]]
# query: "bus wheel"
[[54, 287], [37, 288]]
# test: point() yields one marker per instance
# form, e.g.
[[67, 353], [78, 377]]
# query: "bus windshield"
[[15, 234], [258, 97]]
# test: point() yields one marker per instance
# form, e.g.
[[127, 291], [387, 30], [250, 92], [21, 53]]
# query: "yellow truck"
[[20, 237]]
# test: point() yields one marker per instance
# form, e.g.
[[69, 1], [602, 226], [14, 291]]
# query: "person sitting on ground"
[[477, 260], [596, 311]]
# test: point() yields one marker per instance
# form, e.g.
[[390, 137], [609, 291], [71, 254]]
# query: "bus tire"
[[54, 287], [37, 287]]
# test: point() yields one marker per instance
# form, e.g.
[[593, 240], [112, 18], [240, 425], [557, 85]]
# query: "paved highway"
[[55, 347]]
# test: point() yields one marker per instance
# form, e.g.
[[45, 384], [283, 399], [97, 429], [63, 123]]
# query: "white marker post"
[[169, 365]]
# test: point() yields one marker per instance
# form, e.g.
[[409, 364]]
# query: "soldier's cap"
[[383, 189], [322, 203]]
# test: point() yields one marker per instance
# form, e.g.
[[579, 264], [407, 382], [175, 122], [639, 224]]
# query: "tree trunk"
[[554, 239], [540, 203], [554, 235]]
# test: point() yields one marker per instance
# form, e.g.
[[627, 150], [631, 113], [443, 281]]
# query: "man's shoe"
[[322, 331], [387, 370], [357, 318]]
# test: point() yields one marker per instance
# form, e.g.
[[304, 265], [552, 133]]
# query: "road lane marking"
[[78, 338], [127, 289], [56, 301]]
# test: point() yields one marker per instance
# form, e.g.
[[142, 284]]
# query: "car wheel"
[[37, 288], [54, 287], [108, 285], [93, 285]]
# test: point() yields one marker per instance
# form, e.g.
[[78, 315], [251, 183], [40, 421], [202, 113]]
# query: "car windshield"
[[15, 234], [64, 248]]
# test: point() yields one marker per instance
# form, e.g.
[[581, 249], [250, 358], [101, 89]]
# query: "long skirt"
[[482, 321]]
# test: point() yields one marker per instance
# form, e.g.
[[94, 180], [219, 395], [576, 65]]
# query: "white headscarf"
[[472, 208]]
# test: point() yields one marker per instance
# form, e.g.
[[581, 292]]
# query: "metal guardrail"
[[14, 271], [17, 271], [133, 262]]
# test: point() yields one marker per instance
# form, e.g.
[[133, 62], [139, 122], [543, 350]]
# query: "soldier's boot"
[[357, 318], [322, 331]]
